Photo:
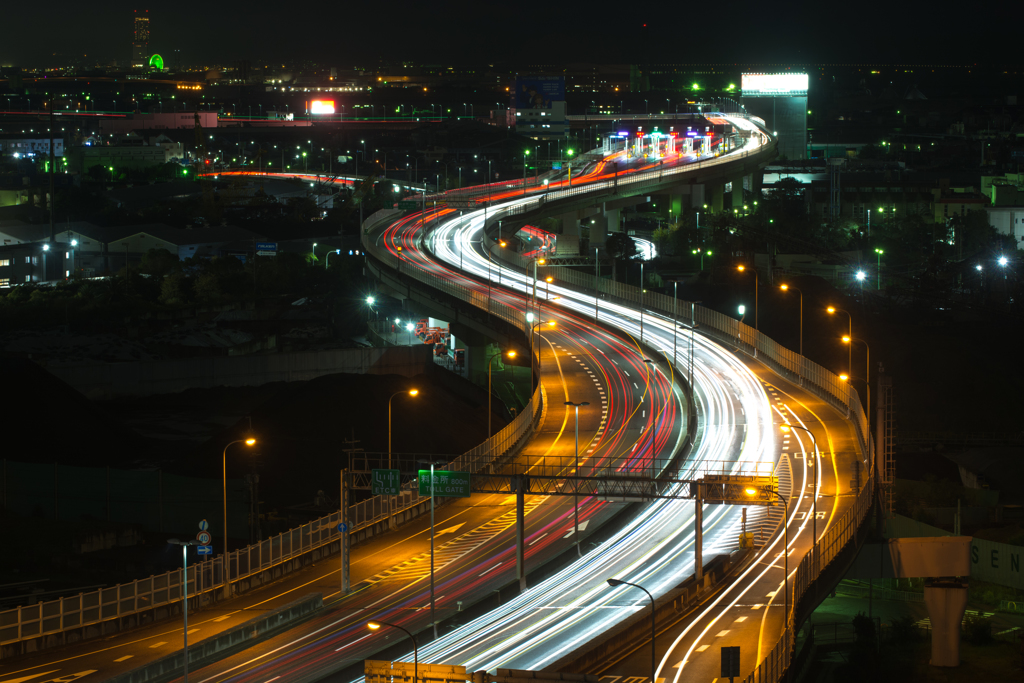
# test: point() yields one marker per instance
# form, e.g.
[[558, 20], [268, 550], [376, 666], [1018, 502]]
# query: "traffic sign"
[[384, 482], [266, 248], [203, 525], [451, 484], [204, 538], [204, 549], [730, 662], [408, 205], [342, 528]]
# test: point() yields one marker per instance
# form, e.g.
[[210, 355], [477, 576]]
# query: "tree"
[[620, 246], [159, 262]]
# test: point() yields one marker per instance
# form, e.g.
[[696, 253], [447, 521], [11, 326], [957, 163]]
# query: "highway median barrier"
[[226, 643]]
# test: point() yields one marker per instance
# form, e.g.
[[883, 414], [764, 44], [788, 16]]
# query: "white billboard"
[[774, 84]]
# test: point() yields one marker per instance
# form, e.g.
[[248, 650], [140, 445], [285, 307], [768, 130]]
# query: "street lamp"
[[375, 625], [878, 269], [786, 288], [327, 263], [248, 441], [549, 280], [614, 583], [409, 392], [785, 550], [370, 301], [867, 373], [832, 310], [576, 482], [184, 601], [549, 323], [742, 268], [490, 364], [786, 429]]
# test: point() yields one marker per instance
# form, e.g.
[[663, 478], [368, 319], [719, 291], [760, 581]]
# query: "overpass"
[[618, 309], [624, 307]]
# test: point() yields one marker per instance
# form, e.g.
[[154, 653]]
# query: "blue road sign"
[[266, 248], [342, 528], [204, 525], [204, 549]]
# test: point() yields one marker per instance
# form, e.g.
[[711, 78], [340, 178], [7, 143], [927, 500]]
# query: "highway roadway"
[[635, 415]]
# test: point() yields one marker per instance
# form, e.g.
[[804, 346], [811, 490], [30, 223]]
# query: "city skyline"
[[913, 33]]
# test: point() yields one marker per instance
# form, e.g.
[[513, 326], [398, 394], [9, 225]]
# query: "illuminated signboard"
[[321, 107], [774, 84]]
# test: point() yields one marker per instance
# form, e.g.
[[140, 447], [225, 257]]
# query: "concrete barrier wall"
[[221, 645], [103, 381]]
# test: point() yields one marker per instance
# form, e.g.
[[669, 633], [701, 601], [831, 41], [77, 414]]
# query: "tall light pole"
[[654, 659], [741, 269], [878, 269], [549, 323], [832, 310], [693, 326], [184, 601], [786, 288], [408, 392], [433, 621], [641, 302], [786, 428], [327, 263], [374, 625], [867, 373], [785, 550], [490, 364], [576, 482], [249, 441]]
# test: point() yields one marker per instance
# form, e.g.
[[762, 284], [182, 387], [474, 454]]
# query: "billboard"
[[774, 84], [537, 92], [321, 107]]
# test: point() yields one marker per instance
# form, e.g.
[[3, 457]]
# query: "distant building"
[[169, 120], [781, 100], [21, 146], [140, 40]]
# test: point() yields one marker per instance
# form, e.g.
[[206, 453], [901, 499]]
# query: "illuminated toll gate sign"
[[451, 484], [742, 489]]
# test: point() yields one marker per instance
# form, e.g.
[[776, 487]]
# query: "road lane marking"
[[222, 618], [156, 645], [491, 569], [738, 619], [193, 631], [722, 633], [28, 678], [701, 648], [757, 606], [537, 539], [126, 657]]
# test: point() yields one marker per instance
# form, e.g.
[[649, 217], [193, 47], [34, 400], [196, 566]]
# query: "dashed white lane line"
[[156, 645], [126, 657]]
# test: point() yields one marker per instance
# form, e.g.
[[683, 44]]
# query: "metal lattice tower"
[[834, 166], [887, 439]]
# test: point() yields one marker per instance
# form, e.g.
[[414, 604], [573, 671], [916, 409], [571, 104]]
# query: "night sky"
[[365, 33]]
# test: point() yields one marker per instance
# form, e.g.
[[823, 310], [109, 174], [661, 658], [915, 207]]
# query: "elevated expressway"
[[738, 401], [635, 426]]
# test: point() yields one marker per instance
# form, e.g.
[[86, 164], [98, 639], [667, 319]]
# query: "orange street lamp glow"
[[413, 392]]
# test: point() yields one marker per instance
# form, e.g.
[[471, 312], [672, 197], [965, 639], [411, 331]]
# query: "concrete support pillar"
[[946, 603], [569, 241], [716, 194], [698, 196], [737, 193], [613, 220]]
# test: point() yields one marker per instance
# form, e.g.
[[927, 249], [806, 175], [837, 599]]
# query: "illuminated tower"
[[140, 43]]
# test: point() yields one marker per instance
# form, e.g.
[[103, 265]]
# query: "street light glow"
[[373, 625], [370, 300], [844, 377], [750, 491], [861, 275], [413, 392], [250, 441], [846, 339]]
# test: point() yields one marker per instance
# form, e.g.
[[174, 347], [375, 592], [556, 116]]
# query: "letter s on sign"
[[974, 554]]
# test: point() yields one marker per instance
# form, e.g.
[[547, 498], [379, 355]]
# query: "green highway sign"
[[453, 484], [384, 482], [408, 206]]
